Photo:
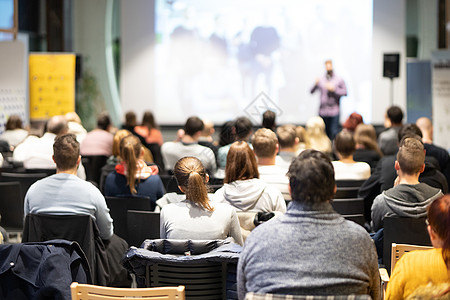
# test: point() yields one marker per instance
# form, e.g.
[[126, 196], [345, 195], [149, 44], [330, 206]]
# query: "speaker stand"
[[392, 91]]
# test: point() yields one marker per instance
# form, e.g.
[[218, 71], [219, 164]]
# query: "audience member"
[[384, 175], [206, 138], [188, 146], [442, 156], [14, 133], [196, 217], [268, 120], [242, 130], [300, 133], [317, 139], [287, 141], [227, 135], [265, 146], [75, 126], [352, 122], [310, 250], [346, 168], [100, 140], [422, 267], [408, 197], [388, 139], [367, 149], [149, 129], [243, 189], [66, 194], [132, 176]]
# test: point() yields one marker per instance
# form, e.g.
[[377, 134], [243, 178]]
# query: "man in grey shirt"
[[311, 250]]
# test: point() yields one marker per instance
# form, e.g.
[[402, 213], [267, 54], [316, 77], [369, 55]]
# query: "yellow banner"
[[52, 85]]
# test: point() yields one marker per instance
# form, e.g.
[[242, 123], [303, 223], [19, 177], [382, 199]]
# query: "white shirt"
[[351, 171], [276, 176]]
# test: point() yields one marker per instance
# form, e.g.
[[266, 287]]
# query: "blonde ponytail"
[[130, 148]]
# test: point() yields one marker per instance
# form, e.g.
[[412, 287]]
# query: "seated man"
[[188, 146], [387, 141], [288, 140], [66, 194], [408, 197], [265, 146], [311, 250], [98, 141]]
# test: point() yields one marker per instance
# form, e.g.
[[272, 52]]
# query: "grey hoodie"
[[251, 195], [404, 200]]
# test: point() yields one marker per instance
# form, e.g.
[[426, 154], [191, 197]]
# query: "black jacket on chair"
[[41, 270]]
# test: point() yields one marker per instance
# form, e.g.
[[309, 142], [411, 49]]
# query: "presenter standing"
[[331, 88]]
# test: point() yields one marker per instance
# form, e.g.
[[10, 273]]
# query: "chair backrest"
[[403, 231], [351, 209], [79, 228], [142, 225], [349, 183], [258, 296], [93, 292], [25, 180], [11, 206], [93, 166], [170, 183], [399, 249], [346, 192], [155, 149], [119, 206]]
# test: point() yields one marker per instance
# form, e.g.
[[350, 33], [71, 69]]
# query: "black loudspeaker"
[[391, 63]]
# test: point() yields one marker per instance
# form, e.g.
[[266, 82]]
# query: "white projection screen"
[[213, 58]]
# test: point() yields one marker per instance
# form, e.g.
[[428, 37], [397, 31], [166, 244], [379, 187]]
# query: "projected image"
[[213, 58]]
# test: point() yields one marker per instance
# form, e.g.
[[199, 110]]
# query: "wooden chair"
[[94, 292], [142, 225]]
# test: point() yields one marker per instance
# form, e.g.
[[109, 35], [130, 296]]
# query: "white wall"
[[136, 87], [388, 36]]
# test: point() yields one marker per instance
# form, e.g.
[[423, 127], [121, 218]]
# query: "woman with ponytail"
[[423, 267], [197, 218], [132, 176]]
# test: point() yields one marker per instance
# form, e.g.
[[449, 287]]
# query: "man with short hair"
[[387, 140], [265, 146], [65, 193], [310, 250], [100, 140], [188, 146], [408, 197], [287, 140]]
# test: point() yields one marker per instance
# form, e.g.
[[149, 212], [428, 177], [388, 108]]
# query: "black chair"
[[403, 231], [93, 166], [346, 192], [349, 183], [11, 209], [25, 180], [155, 149], [142, 225], [170, 184], [119, 206], [79, 228], [351, 209]]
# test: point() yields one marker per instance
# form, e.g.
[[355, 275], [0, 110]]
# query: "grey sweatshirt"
[[310, 250], [403, 200]]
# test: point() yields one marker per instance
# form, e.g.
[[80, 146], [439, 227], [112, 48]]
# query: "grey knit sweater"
[[311, 250]]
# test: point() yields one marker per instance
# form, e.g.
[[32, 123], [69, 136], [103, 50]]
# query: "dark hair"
[[191, 176], [242, 128], [149, 120], [227, 135], [66, 151], [411, 156], [264, 143], [409, 130], [439, 220], [193, 125], [14, 122], [395, 114], [344, 143], [241, 163], [268, 119], [311, 177], [103, 121], [130, 119], [286, 135], [130, 149]]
